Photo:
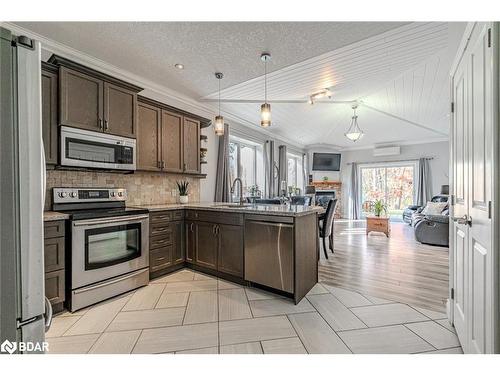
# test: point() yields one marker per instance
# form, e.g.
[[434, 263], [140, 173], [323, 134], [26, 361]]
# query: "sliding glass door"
[[393, 183]]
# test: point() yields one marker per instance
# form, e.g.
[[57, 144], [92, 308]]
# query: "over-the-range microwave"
[[84, 148]]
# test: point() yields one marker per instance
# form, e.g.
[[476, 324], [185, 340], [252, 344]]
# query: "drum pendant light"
[[219, 120], [265, 109]]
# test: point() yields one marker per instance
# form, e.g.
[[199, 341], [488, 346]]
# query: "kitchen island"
[[273, 247]]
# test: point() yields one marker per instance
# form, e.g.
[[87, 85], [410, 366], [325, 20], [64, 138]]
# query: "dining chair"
[[325, 225]]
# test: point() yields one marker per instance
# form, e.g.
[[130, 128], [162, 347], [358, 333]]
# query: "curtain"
[[304, 173], [354, 193], [222, 183], [283, 169], [269, 177], [423, 186]]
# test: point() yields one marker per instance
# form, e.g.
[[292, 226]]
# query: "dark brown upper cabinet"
[[120, 110], [172, 144], [191, 145], [82, 100], [95, 101], [149, 138], [49, 113]]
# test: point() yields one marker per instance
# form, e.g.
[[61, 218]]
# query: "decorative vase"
[[183, 199]]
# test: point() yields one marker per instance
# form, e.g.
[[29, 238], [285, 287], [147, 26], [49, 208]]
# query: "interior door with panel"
[[120, 110], [473, 164], [81, 100], [172, 145], [480, 191], [191, 145], [148, 138]]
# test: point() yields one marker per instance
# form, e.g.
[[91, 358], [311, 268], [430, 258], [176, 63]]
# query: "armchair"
[[432, 229], [410, 211]]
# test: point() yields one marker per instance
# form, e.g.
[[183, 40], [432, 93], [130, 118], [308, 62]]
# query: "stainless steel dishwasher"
[[269, 254]]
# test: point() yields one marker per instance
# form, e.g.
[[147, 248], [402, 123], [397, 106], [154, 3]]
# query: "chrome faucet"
[[241, 189]]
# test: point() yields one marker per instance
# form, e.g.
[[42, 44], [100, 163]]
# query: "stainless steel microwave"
[[84, 148]]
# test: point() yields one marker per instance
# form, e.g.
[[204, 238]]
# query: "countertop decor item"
[[183, 191]]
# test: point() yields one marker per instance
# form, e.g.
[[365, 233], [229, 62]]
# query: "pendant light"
[[265, 109], [354, 132], [219, 120]]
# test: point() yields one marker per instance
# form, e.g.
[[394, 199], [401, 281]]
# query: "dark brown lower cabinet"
[[54, 255], [166, 241], [230, 254], [190, 229], [207, 245]]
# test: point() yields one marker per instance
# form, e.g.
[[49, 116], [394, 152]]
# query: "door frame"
[[495, 210]]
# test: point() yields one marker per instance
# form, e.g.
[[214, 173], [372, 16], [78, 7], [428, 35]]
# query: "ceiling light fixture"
[[326, 93], [179, 66], [354, 133], [219, 120], [265, 109]]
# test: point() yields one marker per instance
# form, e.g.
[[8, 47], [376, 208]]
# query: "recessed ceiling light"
[[179, 66]]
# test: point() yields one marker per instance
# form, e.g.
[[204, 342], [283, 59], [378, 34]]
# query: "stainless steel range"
[[109, 243]]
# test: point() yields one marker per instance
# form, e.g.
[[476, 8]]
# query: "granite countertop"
[[265, 209], [53, 216]]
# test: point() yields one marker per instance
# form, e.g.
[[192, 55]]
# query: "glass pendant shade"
[[265, 115], [219, 125], [354, 132]]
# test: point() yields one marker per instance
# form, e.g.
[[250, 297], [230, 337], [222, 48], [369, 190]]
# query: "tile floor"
[[192, 313]]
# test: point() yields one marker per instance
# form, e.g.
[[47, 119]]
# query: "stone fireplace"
[[337, 187]]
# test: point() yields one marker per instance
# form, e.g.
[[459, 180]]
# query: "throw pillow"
[[434, 208]]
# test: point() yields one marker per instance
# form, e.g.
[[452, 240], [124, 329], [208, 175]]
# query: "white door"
[[473, 133]]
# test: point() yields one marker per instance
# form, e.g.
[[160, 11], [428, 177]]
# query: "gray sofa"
[[432, 229]]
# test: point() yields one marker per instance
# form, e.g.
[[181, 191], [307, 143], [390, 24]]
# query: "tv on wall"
[[326, 162]]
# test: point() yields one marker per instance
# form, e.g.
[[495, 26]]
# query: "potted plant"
[[379, 207], [182, 186]]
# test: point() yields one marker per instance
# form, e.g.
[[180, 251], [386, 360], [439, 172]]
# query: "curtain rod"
[[386, 161]]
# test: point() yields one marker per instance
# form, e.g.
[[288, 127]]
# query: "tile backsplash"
[[142, 187]]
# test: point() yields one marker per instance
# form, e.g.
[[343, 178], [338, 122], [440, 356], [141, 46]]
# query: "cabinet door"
[[49, 116], [55, 286], [81, 100], [230, 257], [120, 111], [207, 245], [160, 258], [178, 242], [171, 149], [191, 146], [148, 138], [190, 235]]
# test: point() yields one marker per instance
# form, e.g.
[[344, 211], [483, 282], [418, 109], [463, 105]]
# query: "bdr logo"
[[11, 347]]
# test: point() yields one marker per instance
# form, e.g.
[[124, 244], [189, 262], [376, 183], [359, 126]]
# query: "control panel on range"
[[73, 195]]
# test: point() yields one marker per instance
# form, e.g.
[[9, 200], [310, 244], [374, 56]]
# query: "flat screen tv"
[[326, 162]]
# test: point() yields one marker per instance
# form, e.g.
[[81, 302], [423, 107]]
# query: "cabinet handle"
[[100, 123], [106, 127], [162, 164], [217, 230], [191, 227], [184, 166]]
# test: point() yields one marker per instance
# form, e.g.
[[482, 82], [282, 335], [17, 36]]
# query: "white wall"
[[438, 166]]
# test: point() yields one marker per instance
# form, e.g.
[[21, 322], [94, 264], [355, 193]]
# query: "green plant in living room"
[[379, 207], [183, 187]]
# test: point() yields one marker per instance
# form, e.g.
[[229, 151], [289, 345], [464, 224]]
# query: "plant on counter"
[[183, 186], [379, 207]]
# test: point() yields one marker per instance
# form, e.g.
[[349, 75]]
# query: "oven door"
[[83, 148], [108, 247]]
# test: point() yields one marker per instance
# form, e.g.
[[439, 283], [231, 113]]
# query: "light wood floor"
[[397, 268]]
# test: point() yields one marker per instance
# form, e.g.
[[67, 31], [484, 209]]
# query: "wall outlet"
[[174, 192]]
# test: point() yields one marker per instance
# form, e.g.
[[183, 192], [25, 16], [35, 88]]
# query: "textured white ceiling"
[[399, 69], [151, 49]]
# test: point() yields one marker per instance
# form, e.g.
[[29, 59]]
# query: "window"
[[246, 162], [295, 172], [392, 183]]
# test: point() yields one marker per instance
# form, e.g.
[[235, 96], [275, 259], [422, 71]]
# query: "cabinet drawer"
[[54, 286], [216, 217], [156, 229], [167, 216], [160, 258], [53, 254], [161, 240], [53, 229]]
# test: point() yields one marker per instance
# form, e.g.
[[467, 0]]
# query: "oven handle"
[[106, 220]]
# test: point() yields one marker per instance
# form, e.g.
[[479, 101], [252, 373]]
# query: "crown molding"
[[189, 104]]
